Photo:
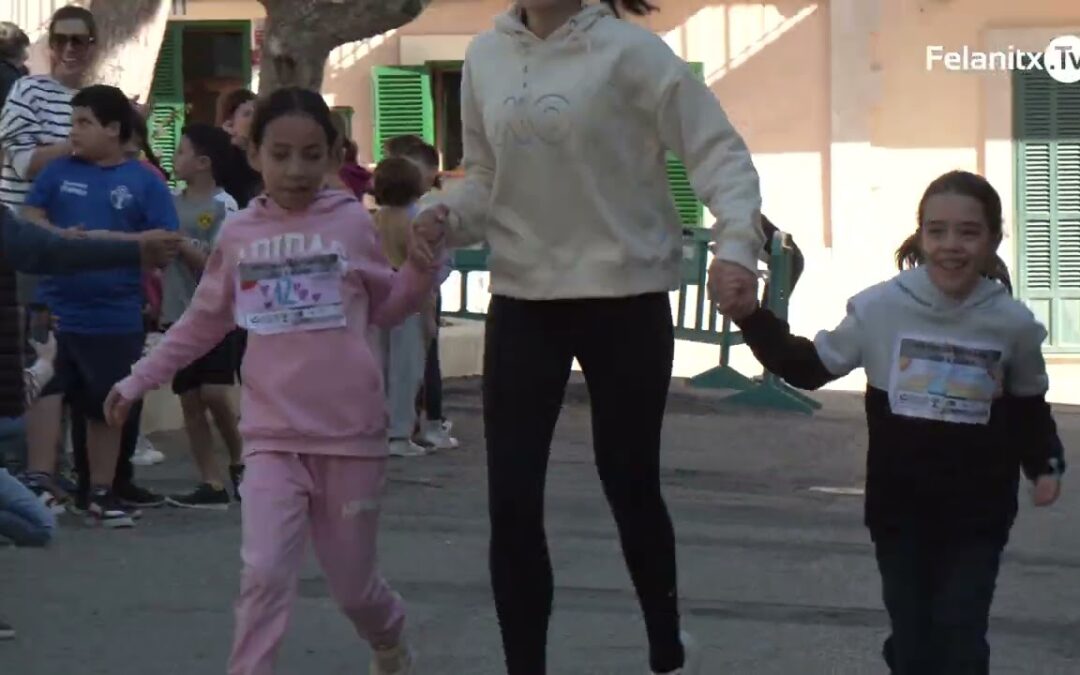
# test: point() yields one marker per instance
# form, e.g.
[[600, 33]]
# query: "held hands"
[[427, 235], [117, 408], [45, 351], [158, 247], [733, 289], [1047, 489]]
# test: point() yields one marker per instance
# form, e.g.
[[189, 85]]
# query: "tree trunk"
[[301, 33], [130, 34]]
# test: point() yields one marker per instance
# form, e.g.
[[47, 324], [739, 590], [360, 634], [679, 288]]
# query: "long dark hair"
[[968, 184], [635, 7]]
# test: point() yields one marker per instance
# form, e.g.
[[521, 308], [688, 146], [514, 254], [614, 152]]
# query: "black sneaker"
[[137, 497], [105, 510], [6, 631], [204, 496], [236, 473]]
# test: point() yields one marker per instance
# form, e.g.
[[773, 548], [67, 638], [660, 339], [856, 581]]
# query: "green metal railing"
[[769, 391], [697, 320]]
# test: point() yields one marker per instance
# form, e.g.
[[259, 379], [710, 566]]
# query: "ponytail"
[[909, 255], [635, 7], [1000, 272]]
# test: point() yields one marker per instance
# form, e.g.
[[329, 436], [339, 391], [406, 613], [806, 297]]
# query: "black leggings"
[[625, 347]]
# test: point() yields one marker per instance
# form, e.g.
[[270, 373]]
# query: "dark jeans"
[[125, 470], [433, 371], [625, 348], [938, 593]]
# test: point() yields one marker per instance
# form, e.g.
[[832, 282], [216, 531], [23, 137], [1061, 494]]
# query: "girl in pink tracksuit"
[[302, 270]]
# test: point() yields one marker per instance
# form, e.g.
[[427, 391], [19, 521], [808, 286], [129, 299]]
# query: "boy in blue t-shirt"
[[100, 334]]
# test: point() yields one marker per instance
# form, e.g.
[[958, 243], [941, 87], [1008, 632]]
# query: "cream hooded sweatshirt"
[[565, 143]]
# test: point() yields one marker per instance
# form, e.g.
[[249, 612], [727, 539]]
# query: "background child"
[[144, 453], [397, 187], [237, 109], [302, 269], [954, 404], [434, 431], [101, 322], [202, 159]]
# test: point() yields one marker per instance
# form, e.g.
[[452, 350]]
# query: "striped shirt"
[[37, 112]]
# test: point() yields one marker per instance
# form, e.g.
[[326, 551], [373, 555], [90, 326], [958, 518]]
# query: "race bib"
[[945, 381], [297, 294]]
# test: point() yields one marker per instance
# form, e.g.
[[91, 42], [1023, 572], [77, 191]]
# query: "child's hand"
[[733, 288], [117, 408], [1047, 489], [427, 234], [45, 351], [158, 247]]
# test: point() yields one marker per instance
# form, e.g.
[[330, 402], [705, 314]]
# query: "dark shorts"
[[87, 367], [217, 366]]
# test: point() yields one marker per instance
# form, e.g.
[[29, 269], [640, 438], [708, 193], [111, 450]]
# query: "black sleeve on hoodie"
[[1036, 437], [793, 358]]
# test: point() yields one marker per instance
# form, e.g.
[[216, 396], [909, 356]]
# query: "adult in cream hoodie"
[[568, 114]]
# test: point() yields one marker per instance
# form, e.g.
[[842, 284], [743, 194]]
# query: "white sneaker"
[[436, 435], [393, 661], [146, 454], [692, 658], [404, 447], [51, 503]]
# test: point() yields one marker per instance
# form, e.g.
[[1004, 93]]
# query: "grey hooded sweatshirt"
[[954, 403]]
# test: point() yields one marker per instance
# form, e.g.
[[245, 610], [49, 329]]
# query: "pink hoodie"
[[311, 381]]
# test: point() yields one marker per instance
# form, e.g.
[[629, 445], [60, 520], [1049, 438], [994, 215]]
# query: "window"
[[1046, 118]]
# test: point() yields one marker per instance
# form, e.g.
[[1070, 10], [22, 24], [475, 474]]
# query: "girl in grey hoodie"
[[956, 408]]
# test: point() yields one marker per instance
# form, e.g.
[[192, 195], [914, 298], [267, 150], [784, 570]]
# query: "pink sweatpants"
[[286, 495]]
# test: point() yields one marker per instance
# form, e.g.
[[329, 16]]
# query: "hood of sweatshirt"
[[917, 284], [574, 30], [908, 314], [326, 202]]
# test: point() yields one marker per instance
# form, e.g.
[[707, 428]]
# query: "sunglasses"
[[77, 41]]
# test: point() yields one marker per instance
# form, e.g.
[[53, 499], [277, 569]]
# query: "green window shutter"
[[686, 202], [167, 97], [403, 104], [1047, 131]]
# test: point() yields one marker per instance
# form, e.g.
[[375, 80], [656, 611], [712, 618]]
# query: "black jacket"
[[925, 475], [27, 248]]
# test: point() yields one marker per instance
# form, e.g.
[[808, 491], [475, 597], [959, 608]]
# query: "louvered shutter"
[[403, 104], [1047, 119], [167, 97]]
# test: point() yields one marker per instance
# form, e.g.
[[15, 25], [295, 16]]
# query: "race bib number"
[[945, 381], [297, 294]]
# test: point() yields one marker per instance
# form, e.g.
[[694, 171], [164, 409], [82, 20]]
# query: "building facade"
[[846, 110]]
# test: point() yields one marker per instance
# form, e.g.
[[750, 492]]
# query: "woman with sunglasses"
[[36, 118]]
